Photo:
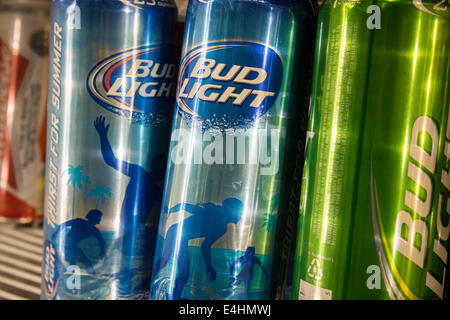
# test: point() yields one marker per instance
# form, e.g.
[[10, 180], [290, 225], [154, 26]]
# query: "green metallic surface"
[[369, 89]]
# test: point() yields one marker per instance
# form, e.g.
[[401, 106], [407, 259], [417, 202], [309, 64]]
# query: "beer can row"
[[180, 175], [135, 210]]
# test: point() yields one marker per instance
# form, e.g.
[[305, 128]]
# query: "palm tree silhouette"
[[269, 218], [269, 221], [76, 178], [100, 192]]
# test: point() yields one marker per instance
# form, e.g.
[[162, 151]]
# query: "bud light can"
[[24, 31], [240, 93], [111, 89], [375, 197]]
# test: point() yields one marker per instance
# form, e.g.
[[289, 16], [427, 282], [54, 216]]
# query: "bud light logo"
[[228, 84], [49, 270], [136, 83]]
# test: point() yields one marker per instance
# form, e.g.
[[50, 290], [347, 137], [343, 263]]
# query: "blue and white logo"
[[228, 84], [136, 83], [50, 274]]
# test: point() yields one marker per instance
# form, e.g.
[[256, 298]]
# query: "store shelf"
[[20, 262]]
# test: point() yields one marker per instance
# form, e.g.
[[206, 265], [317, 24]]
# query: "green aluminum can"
[[374, 222]]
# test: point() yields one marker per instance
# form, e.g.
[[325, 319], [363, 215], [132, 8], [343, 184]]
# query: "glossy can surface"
[[112, 76], [375, 180], [23, 77], [240, 90]]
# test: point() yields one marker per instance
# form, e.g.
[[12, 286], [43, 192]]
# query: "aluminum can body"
[[23, 76], [372, 219], [111, 88], [233, 139]]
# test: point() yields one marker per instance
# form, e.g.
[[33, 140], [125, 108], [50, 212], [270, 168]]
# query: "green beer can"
[[374, 212]]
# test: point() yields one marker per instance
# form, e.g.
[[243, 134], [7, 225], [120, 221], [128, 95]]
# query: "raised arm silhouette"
[[141, 193], [208, 221]]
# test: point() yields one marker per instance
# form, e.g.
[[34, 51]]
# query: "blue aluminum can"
[[240, 93], [112, 84]]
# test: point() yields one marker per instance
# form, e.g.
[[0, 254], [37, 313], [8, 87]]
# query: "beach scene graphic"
[[241, 271], [113, 264], [203, 272]]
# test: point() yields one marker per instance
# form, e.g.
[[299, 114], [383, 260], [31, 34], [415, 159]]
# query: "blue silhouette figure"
[[141, 193], [245, 265], [81, 229], [208, 221], [143, 189]]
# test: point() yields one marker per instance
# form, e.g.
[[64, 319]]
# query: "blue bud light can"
[[239, 97], [111, 89]]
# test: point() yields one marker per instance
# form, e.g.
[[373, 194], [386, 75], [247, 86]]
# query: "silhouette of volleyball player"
[[81, 229], [208, 221], [141, 193], [245, 266]]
